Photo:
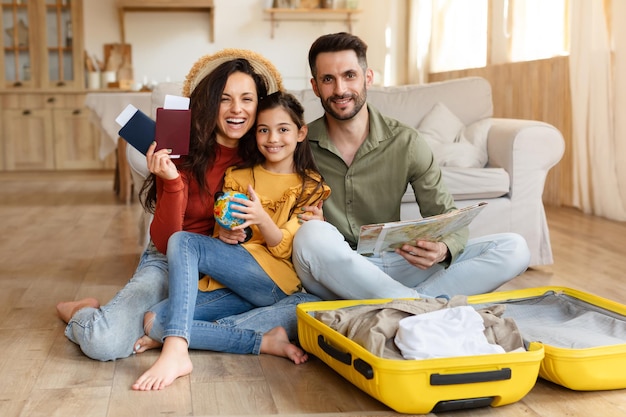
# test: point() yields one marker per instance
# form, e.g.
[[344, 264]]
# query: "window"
[[521, 30], [459, 34], [538, 29]]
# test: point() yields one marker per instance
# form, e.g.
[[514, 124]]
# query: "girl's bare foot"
[[275, 342], [173, 362], [67, 309], [145, 342]]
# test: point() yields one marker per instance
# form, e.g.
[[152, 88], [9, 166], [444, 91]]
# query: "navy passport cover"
[[172, 130], [139, 131]]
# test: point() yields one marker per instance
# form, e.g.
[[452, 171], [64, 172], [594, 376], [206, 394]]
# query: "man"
[[368, 160]]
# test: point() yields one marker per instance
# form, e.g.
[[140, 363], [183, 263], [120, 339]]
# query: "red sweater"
[[179, 205]]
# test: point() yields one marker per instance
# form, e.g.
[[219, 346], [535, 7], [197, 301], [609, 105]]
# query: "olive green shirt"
[[370, 190]]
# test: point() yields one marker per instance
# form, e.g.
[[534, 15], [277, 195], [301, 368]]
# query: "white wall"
[[166, 44]]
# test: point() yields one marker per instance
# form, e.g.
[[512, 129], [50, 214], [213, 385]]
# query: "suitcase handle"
[[470, 377], [343, 357]]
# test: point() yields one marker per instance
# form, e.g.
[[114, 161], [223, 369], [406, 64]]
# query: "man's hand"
[[424, 254]]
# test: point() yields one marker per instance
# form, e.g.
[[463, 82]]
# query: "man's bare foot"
[[67, 309], [173, 362], [276, 342], [145, 342]]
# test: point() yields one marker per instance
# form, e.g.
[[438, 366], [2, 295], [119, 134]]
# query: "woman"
[[181, 194]]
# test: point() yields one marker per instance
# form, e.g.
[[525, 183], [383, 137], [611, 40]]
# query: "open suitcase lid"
[[584, 335]]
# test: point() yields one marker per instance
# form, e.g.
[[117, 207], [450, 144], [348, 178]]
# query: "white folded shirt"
[[456, 331]]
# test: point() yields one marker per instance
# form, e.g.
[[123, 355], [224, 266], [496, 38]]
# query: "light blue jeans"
[[192, 254], [331, 269], [110, 332], [240, 333]]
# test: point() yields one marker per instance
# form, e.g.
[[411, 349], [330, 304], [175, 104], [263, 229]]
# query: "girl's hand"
[[160, 163], [252, 211], [312, 213]]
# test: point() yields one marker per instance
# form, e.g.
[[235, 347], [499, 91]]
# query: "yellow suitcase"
[[583, 335], [419, 386]]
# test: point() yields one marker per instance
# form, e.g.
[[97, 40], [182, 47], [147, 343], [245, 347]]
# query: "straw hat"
[[208, 63]]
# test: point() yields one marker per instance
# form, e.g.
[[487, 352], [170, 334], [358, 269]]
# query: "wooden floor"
[[64, 236]]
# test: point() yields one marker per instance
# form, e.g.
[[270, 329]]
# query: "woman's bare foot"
[[173, 363], [145, 342], [276, 342], [67, 309]]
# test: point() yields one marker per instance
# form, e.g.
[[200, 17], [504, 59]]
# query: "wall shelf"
[[125, 6], [308, 15]]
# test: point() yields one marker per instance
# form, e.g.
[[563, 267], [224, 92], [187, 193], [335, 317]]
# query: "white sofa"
[[520, 153]]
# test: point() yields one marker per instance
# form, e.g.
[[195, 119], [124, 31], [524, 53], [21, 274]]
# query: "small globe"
[[224, 208]]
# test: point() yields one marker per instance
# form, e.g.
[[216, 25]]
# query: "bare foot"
[[67, 309], [173, 362], [275, 342], [145, 342]]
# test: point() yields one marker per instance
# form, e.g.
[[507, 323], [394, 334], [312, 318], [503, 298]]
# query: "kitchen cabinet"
[[44, 123], [48, 131]]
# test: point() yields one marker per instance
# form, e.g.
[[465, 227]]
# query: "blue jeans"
[[330, 269], [192, 254], [241, 333], [110, 332]]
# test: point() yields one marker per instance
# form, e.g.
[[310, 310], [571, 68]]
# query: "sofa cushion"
[[476, 183], [471, 183], [441, 125], [477, 133], [453, 144], [468, 98]]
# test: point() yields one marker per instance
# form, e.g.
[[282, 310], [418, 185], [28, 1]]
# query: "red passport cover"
[[172, 130]]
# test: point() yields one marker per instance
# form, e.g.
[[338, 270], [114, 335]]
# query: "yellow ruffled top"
[[278, 194]]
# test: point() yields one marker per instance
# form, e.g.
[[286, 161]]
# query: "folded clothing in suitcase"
[[583, 335], [419, 386]]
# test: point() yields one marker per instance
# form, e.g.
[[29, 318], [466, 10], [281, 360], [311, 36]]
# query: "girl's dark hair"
[[204, 105], [304, 164]]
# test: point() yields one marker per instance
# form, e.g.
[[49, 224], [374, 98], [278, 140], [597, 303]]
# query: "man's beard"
[[359, 102]]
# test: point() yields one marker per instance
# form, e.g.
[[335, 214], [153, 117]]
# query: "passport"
[[138, 129], [172, 130]]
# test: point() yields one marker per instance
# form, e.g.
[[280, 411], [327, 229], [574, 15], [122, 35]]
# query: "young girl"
[[280, 179]]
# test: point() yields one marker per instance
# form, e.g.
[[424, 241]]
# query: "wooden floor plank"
[[124, 402]]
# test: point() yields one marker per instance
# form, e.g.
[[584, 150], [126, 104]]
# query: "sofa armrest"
[[526, 149]]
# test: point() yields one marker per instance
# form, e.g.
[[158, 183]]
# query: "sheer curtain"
[[597, 137], [419, 28]]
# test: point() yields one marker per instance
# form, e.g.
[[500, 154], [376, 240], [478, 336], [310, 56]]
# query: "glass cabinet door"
[[18, 33], [59, 43]]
